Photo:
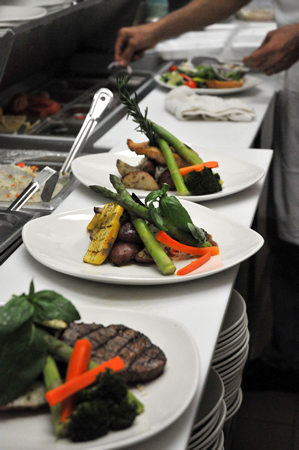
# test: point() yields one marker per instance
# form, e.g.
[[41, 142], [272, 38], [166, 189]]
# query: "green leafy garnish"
[[22, 347], [170, 208]]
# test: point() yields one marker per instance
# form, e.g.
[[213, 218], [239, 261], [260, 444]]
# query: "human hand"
[[279, 51], [132, 42]]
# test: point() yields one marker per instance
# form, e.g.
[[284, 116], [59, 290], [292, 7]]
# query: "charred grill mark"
[[143, 360]]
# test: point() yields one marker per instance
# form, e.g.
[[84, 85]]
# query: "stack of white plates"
[[231, 352], [207, 432]]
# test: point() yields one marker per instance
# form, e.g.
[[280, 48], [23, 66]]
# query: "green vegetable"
[[153, 247], [149, 128], [102, 407], [203, 182], [62, 352], [173, 79], [173, 167], [123, 198], [52, 379], [173, 211], [22, 348]]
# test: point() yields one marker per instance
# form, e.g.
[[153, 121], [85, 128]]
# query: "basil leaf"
[[156, 217], [174, 211], [49, 305], [152, 196], [14, 313], [198, 233], [22, 359]]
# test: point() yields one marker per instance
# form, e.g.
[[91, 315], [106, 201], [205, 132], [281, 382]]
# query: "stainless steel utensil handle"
[[101, 100], [32, 187]]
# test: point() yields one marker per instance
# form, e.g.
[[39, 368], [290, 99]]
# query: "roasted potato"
[[125, 168], [165, 177], [140, 180], [128, 233], [123, 252]]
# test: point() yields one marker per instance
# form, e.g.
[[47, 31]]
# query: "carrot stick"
[[198, 167], [175, 245], [78, 364], [69, 388], [194, 264]]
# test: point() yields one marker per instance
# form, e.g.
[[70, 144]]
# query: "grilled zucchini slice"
[[108, 225]]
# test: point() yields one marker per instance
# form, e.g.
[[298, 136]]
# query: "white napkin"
[[185, 104]]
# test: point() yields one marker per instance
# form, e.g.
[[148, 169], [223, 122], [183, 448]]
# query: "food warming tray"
[[41, 159]]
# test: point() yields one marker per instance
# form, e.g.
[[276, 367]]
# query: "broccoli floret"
[[90, 420], [203, 182], [104, 406], [109, 385], [122, 414]]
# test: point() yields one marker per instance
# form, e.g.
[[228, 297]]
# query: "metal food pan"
[[76, 112], [39, 158], [57, 128]]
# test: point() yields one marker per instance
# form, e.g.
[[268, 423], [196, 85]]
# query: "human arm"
[[279, 51], [132, 42]]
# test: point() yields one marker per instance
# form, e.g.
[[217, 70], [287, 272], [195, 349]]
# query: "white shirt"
[[287, 13]]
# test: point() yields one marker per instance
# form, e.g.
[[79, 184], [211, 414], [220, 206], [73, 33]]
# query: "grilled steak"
[[143, 360]]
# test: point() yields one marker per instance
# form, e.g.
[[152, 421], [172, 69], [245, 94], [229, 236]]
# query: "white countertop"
[[201, 304]]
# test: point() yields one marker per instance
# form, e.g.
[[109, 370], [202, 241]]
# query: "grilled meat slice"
[[143, 360]]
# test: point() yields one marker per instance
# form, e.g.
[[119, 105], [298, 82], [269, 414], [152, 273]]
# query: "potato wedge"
[[125, 168], [140, 180]]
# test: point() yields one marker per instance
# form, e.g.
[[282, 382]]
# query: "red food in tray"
[[33, 105]]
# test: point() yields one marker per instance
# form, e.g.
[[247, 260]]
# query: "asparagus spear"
[[153, 247], [52, 379], [149, 128], [123, 198], [173, 167], [185, 152]]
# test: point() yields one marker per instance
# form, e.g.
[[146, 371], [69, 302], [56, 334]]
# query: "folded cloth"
[[185, 104]]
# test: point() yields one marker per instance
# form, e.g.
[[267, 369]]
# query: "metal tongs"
[[101, 100], [41, 178]]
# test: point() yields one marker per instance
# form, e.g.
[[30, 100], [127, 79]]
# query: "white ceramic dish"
[[211, 399], [234, 331], [236, 174], [249, 82], [231, 346], [181, 376], [215, 432], [241, 329], [20, 13], [204, 432], [49, 240], [235, 313], [231, 411]]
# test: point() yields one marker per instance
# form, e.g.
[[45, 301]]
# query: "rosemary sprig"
[[144, 124], [152, 130]]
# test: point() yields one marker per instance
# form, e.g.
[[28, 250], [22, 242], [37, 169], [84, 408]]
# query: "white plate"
[[211, 399], [236, 174], [249, 82], [181, 376], [20, 13], [235, 313], [60, 241]]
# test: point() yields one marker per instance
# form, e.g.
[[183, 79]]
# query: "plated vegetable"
[[140, 227], [164, 155], [216, 76], [30, 351]]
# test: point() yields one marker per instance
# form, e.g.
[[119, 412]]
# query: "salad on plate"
[[205, 76]]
